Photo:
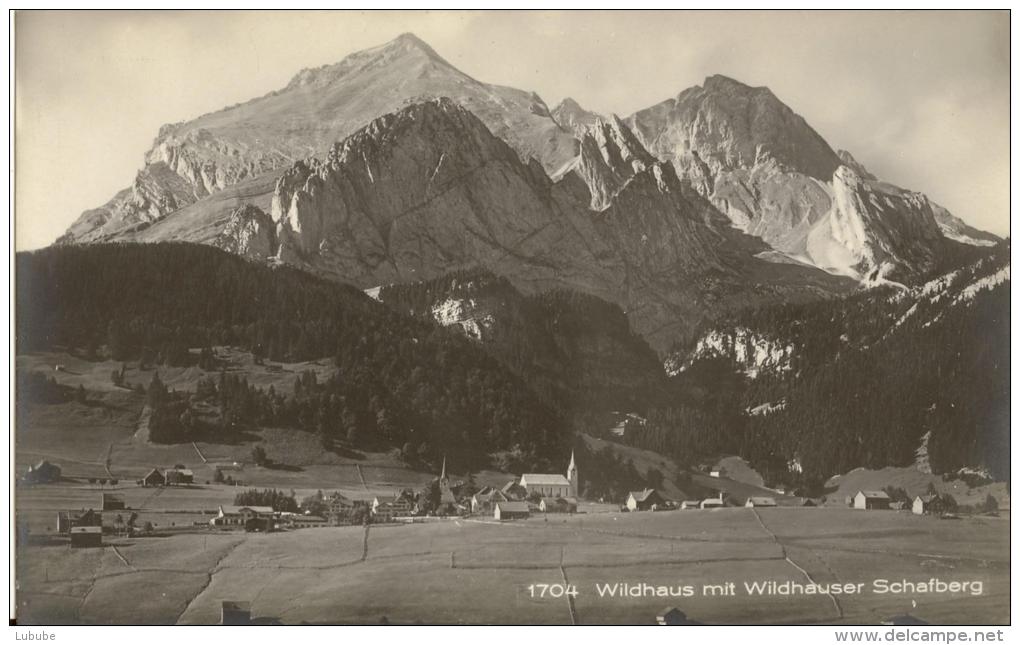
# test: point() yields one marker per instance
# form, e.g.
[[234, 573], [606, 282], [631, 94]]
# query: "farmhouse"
[[297, 521], [689, 503], [112, 502], [385, 508], [42, 473], [713, 502], [66, 520], [552, 485], [558, 505], [482, 501], [753, 502], [644, 500], [922, 504], [178, 477], [513, 491], [871, 500], [240, 515], [153, 478], [86, 536], [511, 511]]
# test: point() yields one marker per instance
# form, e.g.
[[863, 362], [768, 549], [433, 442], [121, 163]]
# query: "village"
[[531, 494]]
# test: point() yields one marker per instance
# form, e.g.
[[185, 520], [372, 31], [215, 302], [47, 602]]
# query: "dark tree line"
[[394, 374]]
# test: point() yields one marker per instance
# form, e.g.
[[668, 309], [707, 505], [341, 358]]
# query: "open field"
[[478, 571], [471, 570]]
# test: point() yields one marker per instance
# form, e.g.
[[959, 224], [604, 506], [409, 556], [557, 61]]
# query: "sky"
[[920, 98]]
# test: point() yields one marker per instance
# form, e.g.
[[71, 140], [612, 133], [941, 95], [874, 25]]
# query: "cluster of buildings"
[[176, 476]]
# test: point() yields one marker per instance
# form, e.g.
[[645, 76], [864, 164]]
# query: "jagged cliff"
[[191, 160], [776, 178]]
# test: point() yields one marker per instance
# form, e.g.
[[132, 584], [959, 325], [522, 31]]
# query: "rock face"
[[777, 179], [574, 118], [191, 160], [610, 157], [249, 232], [428, 190], [392, 167]]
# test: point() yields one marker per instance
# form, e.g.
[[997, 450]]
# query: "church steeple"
[[572, 475], [444, 481]]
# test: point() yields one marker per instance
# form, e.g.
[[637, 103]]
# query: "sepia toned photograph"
[[528, 317]]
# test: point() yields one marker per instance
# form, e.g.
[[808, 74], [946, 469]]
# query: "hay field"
[[479, 571]]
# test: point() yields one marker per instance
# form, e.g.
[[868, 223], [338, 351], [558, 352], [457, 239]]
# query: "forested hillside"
[[863, 382], [434, 388], [576, 351]]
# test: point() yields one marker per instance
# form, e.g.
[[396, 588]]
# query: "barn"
[[153, 478], [643, 500], [240, 515], [67, 520], [511, 511], [713, 502], [871, 500], [86, 536]]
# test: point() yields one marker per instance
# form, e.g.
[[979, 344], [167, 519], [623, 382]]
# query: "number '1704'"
[[555, 590]]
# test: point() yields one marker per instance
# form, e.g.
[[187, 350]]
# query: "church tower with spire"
[[572, 475], [444, 481]]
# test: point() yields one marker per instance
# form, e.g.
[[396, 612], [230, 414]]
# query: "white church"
[[552, 485]]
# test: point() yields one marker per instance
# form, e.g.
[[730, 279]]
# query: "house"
[[298, 521], [482, 501], [66, 520], [549, 485], [513, 491], [753, 502], [558, 505], [233, 612], [713, 502], [871, 500], [153, 478], [385, 508], [511, 511], [922, 504], [689, 503], [86, 536], [240, 515], [178, 477], [112, 502], [717, 472], [42, 473], [644, 500]]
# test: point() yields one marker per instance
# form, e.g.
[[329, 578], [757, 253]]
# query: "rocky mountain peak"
[[404, 49], [849, 160], [571, 116], [610, 157]]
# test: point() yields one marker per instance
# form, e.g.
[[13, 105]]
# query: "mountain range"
[[705, 256]]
